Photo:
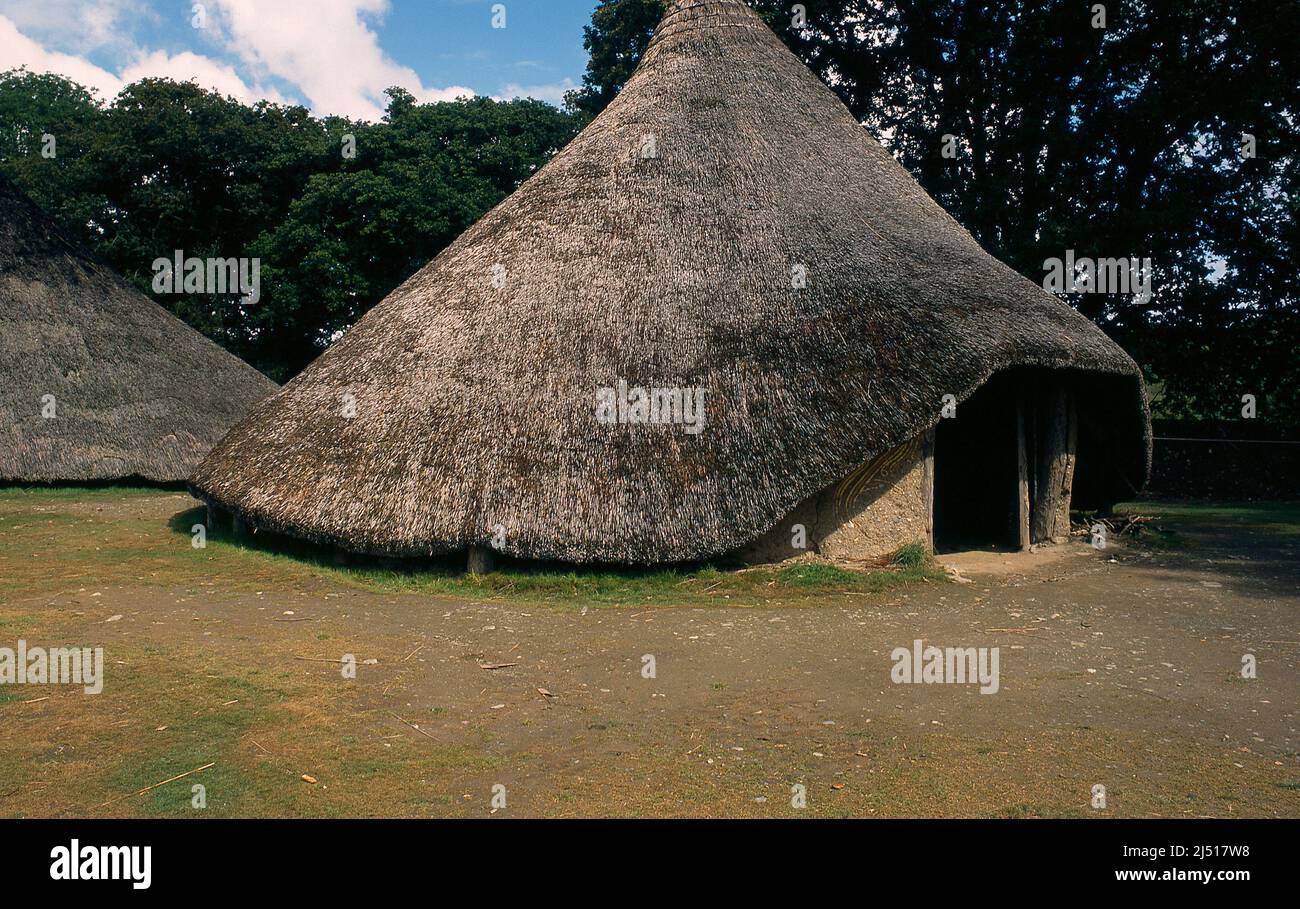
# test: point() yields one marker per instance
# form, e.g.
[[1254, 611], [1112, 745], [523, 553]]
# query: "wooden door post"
[[479, 561], [927, 485], [1051, 520], [1022, 477]]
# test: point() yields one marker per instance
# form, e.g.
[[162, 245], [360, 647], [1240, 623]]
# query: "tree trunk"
[[480, 560], [927, 486], [1051, 520], [1022, 478]]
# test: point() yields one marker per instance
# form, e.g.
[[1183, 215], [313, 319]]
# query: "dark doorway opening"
[[976, 472], [1004, 464]]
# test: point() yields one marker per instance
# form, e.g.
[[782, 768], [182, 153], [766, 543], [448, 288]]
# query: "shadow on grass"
[[596, 584]]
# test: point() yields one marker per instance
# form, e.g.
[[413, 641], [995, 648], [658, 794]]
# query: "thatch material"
[[136, 392], [475, 403]]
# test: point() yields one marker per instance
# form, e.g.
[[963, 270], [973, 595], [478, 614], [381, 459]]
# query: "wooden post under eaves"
[[1022, 478], [1055, 479], [480, 560], [927, 485]]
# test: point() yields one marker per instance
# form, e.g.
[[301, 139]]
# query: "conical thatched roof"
[[135, 391], [658, 248]]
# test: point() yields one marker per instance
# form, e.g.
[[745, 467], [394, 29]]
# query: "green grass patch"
[[103, 544], [815, 575], [821, 577], [136, 750], [1277, 517], [215, 720], [1158, 537], [36, 494], [608, 588], [191, 740], [913, 555], [567, 585]]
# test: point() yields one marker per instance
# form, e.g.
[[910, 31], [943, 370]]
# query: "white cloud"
[[553, 93], [206, 72], [327, 49], [76, 26], [16, 50]]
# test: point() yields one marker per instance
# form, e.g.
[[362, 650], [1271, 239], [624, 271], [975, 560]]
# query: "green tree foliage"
[[1114, 142], [167, 166], [615, 39], [185, 169], [32, 108], [419, 180]]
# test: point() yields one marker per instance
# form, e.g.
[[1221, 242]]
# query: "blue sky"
[[335, 56]]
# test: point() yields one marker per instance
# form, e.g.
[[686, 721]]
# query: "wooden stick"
[[412, 725], [156, 785], [1023, 537], [412, 653]]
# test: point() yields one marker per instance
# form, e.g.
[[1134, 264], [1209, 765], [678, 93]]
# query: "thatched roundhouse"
[[98, 382], [722, 320]]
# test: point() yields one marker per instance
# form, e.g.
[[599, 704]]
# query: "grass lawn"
[[1275, 517], [172, 709], [42, 526], [221, 672]]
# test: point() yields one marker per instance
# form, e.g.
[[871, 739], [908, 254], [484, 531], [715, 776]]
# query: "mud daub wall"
[[888, 511], [1239, 459]]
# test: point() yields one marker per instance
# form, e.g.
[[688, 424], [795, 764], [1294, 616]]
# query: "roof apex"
[[679, 5], [695, 15]]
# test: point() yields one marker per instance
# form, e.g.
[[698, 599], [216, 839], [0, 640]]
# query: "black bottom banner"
[[333, 858]]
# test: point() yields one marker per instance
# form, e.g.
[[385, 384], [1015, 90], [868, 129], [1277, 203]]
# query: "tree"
[[615, 39], [188, 170], [418, 181], [338, 213], [48, 125]]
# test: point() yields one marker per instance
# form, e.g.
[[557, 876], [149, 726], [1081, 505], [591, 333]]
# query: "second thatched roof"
[[98, 382], [663, 247]]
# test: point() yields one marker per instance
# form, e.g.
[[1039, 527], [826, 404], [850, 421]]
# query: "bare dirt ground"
[[1119, 668]]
